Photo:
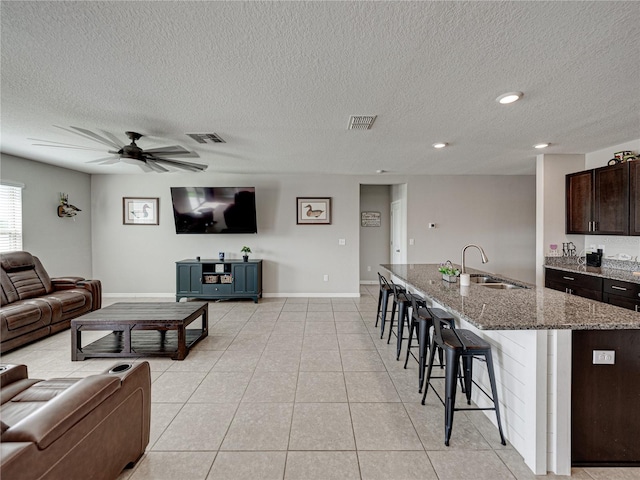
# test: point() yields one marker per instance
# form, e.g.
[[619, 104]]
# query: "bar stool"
[[401, 300], [383, 298], [466, 345]]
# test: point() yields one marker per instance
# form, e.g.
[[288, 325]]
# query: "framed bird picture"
[[313, 210], [140, 211]]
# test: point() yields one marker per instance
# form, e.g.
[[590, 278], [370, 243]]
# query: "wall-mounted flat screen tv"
[[214, 209]]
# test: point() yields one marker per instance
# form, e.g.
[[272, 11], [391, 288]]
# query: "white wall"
[[62, 244], [141, 259], [374, 241]]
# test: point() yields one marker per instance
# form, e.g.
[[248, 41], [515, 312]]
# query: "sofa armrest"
[[12, 373], [61, 413], [95, 287], [65, 283]]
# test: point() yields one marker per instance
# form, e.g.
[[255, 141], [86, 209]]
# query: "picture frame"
[[313, 210], [140, 211]]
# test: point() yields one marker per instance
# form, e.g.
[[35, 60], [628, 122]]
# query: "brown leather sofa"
[[34, 305], [68, 429]]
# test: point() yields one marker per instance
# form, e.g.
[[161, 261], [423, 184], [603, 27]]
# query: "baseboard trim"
[[265, 295]]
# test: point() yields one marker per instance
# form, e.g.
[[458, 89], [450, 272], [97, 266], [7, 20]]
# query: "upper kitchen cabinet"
[[634, 198], [598, 201]]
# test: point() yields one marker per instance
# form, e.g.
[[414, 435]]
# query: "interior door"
[[397, 254]]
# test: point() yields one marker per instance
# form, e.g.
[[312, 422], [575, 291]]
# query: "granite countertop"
[[532, 308], [604, 272]]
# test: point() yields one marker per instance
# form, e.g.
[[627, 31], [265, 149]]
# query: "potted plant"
[[449, 272], [245, 253]]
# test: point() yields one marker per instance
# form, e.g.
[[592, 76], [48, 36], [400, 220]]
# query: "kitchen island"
[[530, 330]]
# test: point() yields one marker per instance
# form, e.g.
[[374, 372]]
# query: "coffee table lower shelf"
[[144, 343]]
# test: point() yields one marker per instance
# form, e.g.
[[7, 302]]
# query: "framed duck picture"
[[140, 211], [313, 210]]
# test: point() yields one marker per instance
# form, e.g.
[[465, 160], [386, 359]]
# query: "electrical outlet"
[[326, 278], [412, 241], [369, 268], [604, 357], [342, 241]]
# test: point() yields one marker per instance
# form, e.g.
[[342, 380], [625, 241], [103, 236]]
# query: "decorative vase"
[[245, 258], [449, 278]]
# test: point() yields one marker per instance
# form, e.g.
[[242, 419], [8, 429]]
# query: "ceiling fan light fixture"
[[439, 145], [507, 98], [541, 145]]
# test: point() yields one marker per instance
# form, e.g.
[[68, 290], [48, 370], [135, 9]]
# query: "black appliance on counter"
[[594, 259]]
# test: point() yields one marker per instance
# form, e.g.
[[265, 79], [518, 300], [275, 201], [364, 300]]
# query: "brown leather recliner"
[[34, 305], [65, 428]]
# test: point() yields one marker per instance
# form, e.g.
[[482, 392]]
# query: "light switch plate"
[[342, 241], [604, 357]]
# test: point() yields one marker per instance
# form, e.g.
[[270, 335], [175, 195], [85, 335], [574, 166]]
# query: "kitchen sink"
[[493, 282]]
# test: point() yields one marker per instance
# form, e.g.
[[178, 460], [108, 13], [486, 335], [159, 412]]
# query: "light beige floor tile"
[[197, 361], [362, 361], [288, 316], [197, 427], [383, 426], [262, 327], [215, 342], [355, 341], [519, 469], [619, 473], [320, 317], [322, 466], [248, 343], [320, 342], [321, 387], [320, 361], [279, 360], [294, 307], [286, 342], [342, 316], [259, 426], [221, 387], [174, 466], [248, 466], [319, 307], [162, 414], [370, 387], [174, 387], [321, 426], [344, 307], [395, 466], [277, 387], [319, 300], [237, 361], [428, 420], [319, 328], [284, 328], [225, 328], [480, 464], [356, 326]]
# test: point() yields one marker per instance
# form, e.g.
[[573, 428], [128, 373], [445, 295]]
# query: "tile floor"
[[299, 388]]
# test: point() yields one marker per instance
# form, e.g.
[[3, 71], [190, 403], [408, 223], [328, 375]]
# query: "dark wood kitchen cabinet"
[[634, 198], [587, 286], [622, 294], [597, 201]]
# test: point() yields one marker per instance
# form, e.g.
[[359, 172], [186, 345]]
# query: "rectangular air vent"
[[206, 137], [361, 122]]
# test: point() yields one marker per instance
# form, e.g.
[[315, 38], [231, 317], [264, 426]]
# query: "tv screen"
[[214, 209]]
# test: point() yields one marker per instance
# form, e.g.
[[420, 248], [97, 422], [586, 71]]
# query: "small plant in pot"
[[245, 253]]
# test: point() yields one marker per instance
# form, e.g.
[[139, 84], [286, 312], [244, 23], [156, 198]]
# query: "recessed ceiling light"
[[541, 145], [510, 97], [439, 145]]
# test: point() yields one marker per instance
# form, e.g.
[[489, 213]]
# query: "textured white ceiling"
[[279, 80]]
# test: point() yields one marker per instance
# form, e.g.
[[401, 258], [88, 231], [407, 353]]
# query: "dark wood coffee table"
[[140, 330]]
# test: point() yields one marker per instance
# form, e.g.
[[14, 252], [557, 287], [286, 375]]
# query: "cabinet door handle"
[[590, 226], [569, 278], [615, 287]]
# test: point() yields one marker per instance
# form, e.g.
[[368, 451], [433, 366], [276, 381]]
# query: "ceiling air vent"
[[361, 122], [206, 137]]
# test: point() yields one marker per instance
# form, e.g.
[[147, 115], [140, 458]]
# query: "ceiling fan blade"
[[74, 147], [111, 136], [154, 166], [90, 135], [194, 167], [106, 160], [172, 150]]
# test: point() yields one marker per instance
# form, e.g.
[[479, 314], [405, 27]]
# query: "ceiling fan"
[[151, 160]]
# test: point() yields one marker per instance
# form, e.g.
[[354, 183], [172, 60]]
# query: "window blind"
[[10, 218]]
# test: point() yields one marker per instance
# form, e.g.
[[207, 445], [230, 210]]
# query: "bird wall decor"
[[65, 209]]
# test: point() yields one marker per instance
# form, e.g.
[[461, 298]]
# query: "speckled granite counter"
[[532, 308]]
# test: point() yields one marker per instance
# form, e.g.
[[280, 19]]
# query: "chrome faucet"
[[484, 255]]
